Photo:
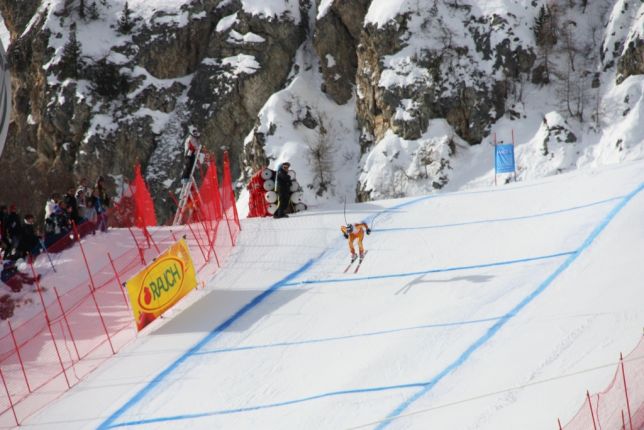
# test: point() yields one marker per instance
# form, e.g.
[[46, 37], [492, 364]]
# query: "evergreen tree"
[[71, 61], [81, 9], [125, 23], [93, 11], [545, 32]]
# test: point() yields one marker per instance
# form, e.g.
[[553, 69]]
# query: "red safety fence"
[[87, 323], [621, 405]]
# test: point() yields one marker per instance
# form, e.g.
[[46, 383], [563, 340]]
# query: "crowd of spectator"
[[84, 206]]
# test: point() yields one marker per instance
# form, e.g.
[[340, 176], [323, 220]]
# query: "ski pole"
[[48, 256]]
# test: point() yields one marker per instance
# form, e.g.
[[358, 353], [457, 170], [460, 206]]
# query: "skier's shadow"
[[419, 280]]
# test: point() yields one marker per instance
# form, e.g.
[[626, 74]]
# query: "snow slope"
[[484, 309]]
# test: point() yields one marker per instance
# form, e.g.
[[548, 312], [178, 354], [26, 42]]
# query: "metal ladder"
[[186, 191]]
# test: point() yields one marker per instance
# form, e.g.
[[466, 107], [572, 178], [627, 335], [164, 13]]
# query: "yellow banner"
[[161, 284]]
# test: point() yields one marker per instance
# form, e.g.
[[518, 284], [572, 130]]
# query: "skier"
[[283, 184], [353, 232], [191, 146]]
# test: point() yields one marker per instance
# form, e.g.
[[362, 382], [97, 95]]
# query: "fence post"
[[150, 238], [9, 397], [628, 406], [91, 279], [22, 365], [118, 279], [69, 328], [100, 315], [198, 243], [138, 247], [559, 422], [623, 421], [590, 405]]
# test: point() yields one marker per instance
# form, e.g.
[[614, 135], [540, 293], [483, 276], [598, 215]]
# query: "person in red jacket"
[[353, 232], [190, 148]]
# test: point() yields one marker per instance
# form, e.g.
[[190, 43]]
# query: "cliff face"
[[95, 92], [395, 94]]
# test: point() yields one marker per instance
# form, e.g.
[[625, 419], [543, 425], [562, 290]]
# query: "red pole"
[[628, 406], [100, 315], [9, 397], [91, 279], [71, 334], [22, 365], [118, 279], [138, 247], [149, 236], [623, 421], [60, 359], [197, 240], [42, 299], [590, 405]]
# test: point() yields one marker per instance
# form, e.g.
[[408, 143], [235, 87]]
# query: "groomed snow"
[[494, 308]]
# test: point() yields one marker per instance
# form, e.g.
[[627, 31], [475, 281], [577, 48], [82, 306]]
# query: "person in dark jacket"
[[283, 184], [4, 239], [29, 241], [14, 229]]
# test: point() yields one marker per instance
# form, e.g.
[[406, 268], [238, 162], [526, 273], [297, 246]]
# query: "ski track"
[[422, 387]]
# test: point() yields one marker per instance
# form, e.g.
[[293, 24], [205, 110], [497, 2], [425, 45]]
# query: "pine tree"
[[81, 9], [71, 61], [93, 11], [545, 31], [126, 24]]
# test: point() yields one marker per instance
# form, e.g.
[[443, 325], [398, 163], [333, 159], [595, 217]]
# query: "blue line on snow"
[[513, 312], [108, 423], [353, 336], [515, 218], [425, 272], [266, 406]]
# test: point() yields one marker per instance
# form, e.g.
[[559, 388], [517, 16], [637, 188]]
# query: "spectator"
[[72, 205], [101, 214], [51, 205], [4, 239], [30, 240], [14, 228], [14, 278], [90, 213], [191, 147], [82, 195], [283, 188]]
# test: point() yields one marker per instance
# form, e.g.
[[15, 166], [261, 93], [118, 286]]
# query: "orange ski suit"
[[357, 233]]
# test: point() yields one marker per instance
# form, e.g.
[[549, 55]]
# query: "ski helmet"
[[193, 131]]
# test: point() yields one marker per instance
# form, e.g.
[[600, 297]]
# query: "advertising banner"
[[161, 284]]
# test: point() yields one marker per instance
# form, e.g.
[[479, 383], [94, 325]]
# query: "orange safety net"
[[621, 405]]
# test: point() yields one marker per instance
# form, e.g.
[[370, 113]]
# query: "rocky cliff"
[[395, 93]]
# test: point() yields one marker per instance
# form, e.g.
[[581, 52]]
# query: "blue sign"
[[504, 158]]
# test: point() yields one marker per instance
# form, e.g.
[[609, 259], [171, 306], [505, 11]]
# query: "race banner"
[[504, 158], [161, 284]]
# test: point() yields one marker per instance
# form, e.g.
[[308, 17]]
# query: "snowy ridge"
[[471, 308]]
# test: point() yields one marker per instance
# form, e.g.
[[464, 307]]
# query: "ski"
[[360, 262], [349, 266]]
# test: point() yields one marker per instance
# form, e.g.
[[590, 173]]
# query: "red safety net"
[[143, 204], [44, 356], [135, 206], [621, 405], [257, 204]]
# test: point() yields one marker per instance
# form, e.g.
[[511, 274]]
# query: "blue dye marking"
[[425, 272], [109, 422], [499, 324], [266, 406], [338, 338], [515, 218]]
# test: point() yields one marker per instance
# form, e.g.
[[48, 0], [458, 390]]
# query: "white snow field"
[[483, 309]]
